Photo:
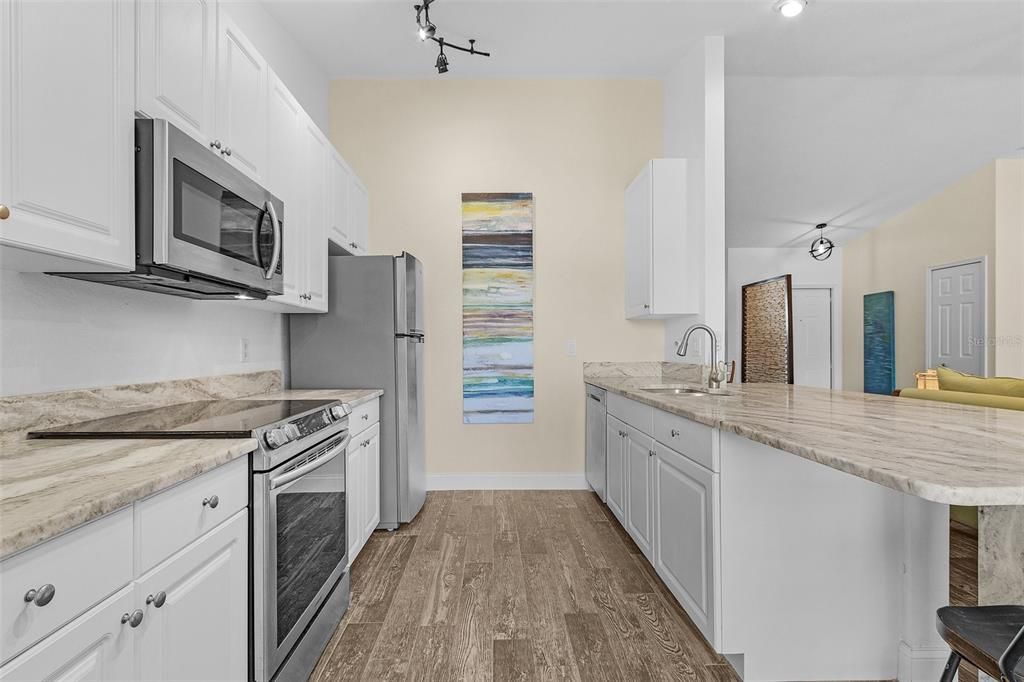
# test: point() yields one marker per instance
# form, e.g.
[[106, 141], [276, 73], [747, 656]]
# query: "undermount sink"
[[684, 390]]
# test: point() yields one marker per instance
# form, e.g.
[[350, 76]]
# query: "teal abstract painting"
[[880, 343], [497, 308]]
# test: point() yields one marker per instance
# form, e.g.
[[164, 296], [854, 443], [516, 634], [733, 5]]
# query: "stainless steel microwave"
[[203, 229]]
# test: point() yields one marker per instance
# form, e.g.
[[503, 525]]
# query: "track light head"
[[427, 31], [442, 61]]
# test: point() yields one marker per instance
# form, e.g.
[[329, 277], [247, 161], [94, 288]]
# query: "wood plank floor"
[[513, 585]]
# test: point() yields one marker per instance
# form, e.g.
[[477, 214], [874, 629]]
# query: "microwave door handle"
[[256, 253], [284, 479], [269, 274]]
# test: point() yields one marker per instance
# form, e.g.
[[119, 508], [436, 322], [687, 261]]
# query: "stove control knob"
[[338, 413], [275, 438], [291, 431]]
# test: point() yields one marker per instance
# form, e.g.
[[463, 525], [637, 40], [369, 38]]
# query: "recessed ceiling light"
[[790, 8]]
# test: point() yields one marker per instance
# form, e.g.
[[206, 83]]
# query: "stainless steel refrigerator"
[[372, 337]]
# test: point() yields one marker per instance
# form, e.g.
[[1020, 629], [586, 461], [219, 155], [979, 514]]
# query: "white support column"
[[922, 654]]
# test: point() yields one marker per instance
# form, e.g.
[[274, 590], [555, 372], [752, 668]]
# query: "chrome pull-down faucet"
[[716, 374]]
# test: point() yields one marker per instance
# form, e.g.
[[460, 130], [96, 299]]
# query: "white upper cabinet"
[[663, 276], [359, 226], [315, 178], [67, 107], [241, 100], [177, 63], [284, 116], [339, 179]]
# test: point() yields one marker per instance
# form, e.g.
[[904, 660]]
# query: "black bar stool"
[[989, 637]]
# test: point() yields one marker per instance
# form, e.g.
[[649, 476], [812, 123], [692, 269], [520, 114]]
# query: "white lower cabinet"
[[616, 463], [97, 646], [668, 501], [639, 453], [195, 606], [362, 483], [684, 504], [185, 619]]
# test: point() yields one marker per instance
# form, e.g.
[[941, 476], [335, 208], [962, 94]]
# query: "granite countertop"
[[943, 452], [350, 396], [51, 486]]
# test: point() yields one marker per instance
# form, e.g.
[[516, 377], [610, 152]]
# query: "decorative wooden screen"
[[767, 352]]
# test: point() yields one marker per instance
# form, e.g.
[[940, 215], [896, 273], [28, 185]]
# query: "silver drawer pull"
[[675, 433], [134, 618], [212, 501], [157, 599], [42, 596]]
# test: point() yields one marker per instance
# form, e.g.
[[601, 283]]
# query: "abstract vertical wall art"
[[879, 343], [497, 308]]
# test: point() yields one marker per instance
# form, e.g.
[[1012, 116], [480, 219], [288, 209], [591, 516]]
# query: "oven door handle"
[[288, 477], [272, 268]]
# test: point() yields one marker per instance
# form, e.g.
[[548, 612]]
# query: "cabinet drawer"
[[686, 437], [637, 415], [83, 567], [364, 416], [169, 520]]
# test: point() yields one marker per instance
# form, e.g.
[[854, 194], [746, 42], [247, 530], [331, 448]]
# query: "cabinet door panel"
[[371, 508], [616, 492], [684, 496], [201, 630], [339, 179], [638, 245], [241, 100], [639, 486], [315, 177], [354, 503], [67, 108], [177, 63], [96, 647]]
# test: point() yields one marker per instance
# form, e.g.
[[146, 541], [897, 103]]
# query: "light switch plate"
[[243, 349]]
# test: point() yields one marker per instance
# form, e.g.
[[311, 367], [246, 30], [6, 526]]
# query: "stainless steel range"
[[298, 548]]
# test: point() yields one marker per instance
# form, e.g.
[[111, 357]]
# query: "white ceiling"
[[641, 38], [847, 114]]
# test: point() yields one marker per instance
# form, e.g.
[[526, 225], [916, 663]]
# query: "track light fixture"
[[821, 248], [442, 60], [427, 30]]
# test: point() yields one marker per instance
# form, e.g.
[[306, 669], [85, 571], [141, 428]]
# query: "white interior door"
[[956, 317], [812, 337]]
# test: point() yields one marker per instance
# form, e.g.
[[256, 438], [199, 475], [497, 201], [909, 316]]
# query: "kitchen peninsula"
[[715, 477]]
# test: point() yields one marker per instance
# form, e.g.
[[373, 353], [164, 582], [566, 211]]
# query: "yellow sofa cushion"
[[952, 380], [965, 398]]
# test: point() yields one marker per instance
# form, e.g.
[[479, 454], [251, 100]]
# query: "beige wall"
[[576, 145], [956, 224], [1009, 339]]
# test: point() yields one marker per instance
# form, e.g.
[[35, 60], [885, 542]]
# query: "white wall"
[[60, 334], [1009, 276], [694, 128], [294, 65], [747, 265]]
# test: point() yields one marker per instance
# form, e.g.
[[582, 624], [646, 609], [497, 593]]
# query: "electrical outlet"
[[243, 349], [570, 348]]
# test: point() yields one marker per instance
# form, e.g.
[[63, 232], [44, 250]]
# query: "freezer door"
[[409, 295]]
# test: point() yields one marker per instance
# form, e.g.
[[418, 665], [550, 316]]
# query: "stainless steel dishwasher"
[[597, 420]]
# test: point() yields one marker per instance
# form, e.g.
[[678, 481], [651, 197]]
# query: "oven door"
[[210, 218], [300, 548]]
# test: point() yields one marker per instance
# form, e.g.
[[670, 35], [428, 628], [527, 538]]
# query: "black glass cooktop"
[[199, 419]]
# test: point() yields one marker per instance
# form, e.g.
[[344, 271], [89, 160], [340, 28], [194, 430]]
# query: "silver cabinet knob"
[[647, 306], [215, 144], [226, 151], [353, 244], [157, 599], [675, 433], [134, 618], [650, 453], [42, 596], [5, 212], [212, 501], [365, 417]]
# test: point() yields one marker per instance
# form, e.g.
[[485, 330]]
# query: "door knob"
[[134, 618], [5, 212], [157, 599], [42, 596]]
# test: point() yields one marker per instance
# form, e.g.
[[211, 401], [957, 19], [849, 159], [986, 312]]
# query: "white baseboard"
[[921, 664], [508, 481]]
